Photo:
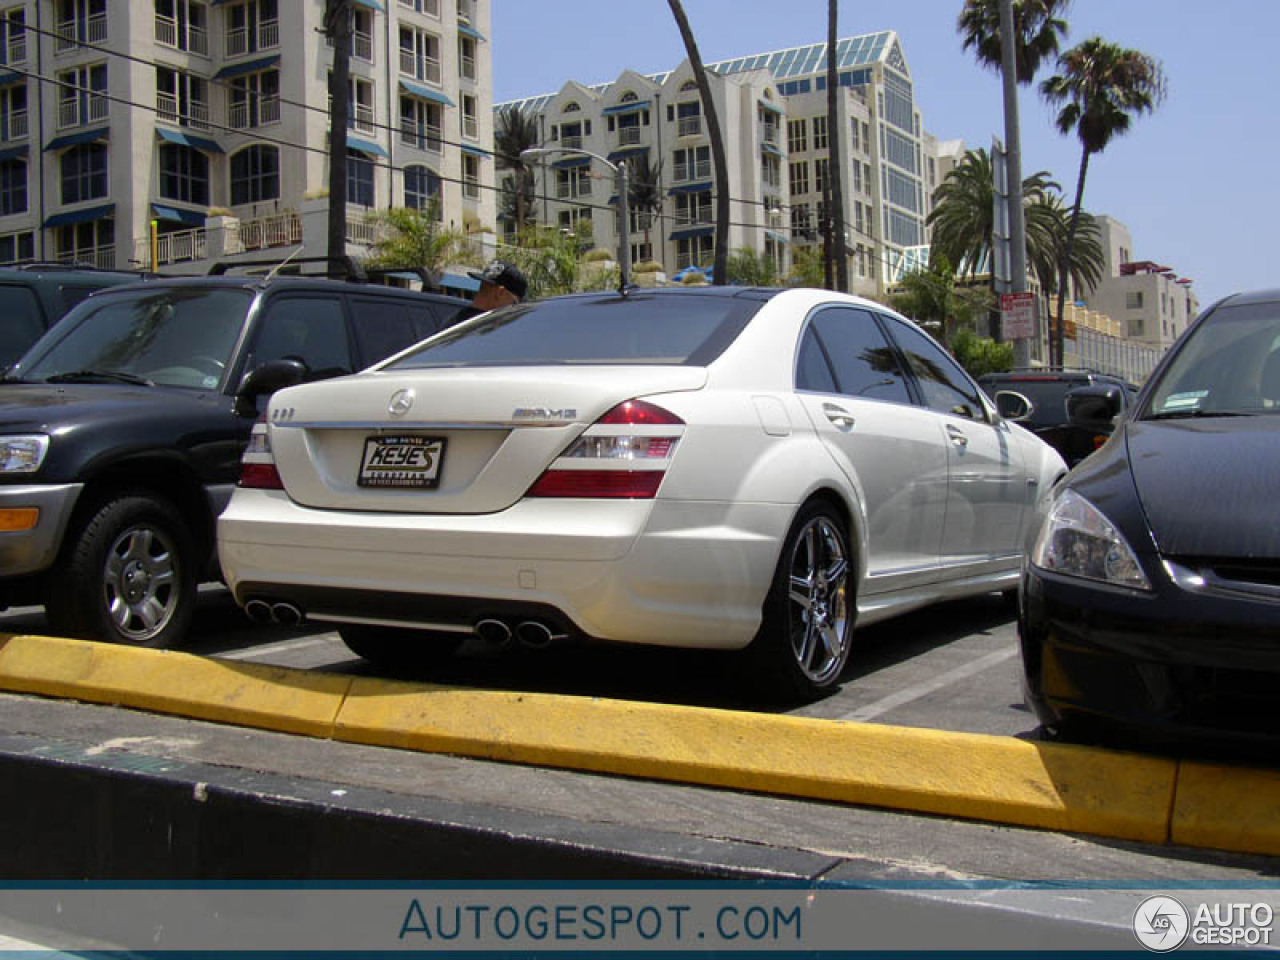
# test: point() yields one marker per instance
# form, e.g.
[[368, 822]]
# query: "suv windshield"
[[177, 337], [1228, 366], [636, 329], [1048, 397]]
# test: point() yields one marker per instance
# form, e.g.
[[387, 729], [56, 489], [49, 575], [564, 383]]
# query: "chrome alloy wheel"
[[818, 599], [139, 582]]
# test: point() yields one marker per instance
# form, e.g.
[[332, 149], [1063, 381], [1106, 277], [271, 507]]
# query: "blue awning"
[[364, 146], [471, 32], [572, 161], [80, 136], [780, 237], [9, 78], [249, 66], [193, 218], [13, 153], [460, 281], [187, 140], [626, 152], [475, 151], [371, 4], [627, 107], [80, 216], [426, 93], [692, 232], [770, 148], [689, 188], [769, 106]]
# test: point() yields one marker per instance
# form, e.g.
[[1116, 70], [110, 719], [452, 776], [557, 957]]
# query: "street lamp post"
[[620, 178]]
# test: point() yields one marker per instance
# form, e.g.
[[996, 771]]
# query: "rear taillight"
[[258, 465], [623, 456]]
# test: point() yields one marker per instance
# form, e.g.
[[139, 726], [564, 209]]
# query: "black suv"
[[121, 432], [1061, 401], [35, 296]]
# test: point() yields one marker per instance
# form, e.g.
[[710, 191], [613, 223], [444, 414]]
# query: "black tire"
[[127, 574], [806, 632], [400, 649]]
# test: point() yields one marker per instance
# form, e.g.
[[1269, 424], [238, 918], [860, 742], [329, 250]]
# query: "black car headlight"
[[1076, 540]]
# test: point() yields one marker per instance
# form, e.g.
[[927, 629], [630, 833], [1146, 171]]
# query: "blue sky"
[[1188, 180]]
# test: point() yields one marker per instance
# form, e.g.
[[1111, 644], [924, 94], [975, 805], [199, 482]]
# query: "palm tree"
[[834, 168], [644, 190], [750, 268], [1047, 223], [1037, 25], [1099, 88], [412, 239], [720, 267], [514, 132], [807, 268], [513, 202]]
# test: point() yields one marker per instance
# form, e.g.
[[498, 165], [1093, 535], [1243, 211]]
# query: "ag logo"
[[1161, 924]]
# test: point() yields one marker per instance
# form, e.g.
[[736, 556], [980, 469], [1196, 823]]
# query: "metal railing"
[[430, 7], [420, 68], [689, 126], [361, 230], [572, 189], [471, 189], [470, 127], [571, 143], [71, 114], [467, 68], [770, 133], [699, 170], [71, 33], [699, 216], [268, 35], [423, 136], [13, 126], [628, 135], [181, 246], [16, 49], [166, 31], [255, 112], [276, 230], [362, 46], [166, 107], [104, 258], [362, 119]]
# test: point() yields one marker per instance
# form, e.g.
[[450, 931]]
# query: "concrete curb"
[[1000, 779]]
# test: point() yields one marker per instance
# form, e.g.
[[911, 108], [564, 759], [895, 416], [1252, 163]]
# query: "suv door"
[[987, 491], [21, 322], [309, 327], [855, 392]]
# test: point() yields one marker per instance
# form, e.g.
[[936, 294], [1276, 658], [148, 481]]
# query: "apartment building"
[[210, 121], [773, 114]]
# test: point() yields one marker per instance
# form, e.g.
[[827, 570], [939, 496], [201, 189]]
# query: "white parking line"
[[267, 650], [914, 692]]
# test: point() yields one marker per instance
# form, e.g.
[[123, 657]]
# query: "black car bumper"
[[1170, 666]]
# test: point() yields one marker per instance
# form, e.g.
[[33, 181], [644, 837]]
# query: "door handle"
[[839, 416], [957, 436]]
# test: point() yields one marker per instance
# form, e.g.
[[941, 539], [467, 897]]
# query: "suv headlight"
[[1078, 541], [22, 454]]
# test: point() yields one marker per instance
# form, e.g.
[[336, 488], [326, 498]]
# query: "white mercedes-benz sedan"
[[722, 468]]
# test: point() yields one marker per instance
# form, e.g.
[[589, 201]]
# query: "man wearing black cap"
[[501, 284]]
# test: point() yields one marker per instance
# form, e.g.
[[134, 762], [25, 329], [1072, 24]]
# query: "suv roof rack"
[[337, 268], [70, 267], [1049, 369]]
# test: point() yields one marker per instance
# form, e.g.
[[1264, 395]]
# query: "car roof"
[[1253, 296], [751, 293], [286, 281]]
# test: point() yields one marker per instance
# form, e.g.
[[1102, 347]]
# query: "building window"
[[571, 134], [571, 107], [430, 7], [819, 133], [641, 251], [183, 24], [420, 123], [255, 174], [359, 179], [80, 99], [362, 34], [467, 58], [13, 187], [182, 98], [572, 218], [1133, 300], [419, 54], [693, 164], [689, 118], [184, 174], [13, 35], [799, 178], [694, 251], [771, 170], [421, 186], [801, 219], [573, 182], [821, 166], [254, 100], [252, 26], [797, 136], [470, 123], [17, 247], [80, 21], [13, 112], [92, 243], [470, 176], [84, 172], [693, 208], [360, 105]]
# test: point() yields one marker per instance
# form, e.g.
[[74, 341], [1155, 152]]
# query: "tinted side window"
[[20, 322], [946, 387], [865, 365], [383, 326], [812, 370], [310, 329], [71, 295]]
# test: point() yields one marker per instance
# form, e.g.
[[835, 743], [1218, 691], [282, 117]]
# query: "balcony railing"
[[423, 136], [770, 133], [467, 68], [470, 128], [689, 126], [362, 46], [13, 126], [361, 230], [16, 49], [430, 7], [699, 170], [693, 218], [471, 189], [628, 135], [104, 258], [466, 11], [181, 246], [71, 33], [243, 116], [166, 107], [571, 143], [198, 40], [74, 113], [362, 119], [277, 230], [572, 189], [166, 31], [420, 68], [238, 38]]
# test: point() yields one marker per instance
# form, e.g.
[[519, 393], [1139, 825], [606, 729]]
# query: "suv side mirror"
[[1094, 405], [267, 379], [1013, 405]]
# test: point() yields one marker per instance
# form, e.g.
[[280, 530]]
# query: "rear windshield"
[[636, 329]]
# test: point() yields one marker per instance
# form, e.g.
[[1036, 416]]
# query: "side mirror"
[[1094, 405], [1013, 405], [267, 379]]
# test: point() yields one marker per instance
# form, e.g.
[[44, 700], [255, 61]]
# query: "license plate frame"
[[423, 458]]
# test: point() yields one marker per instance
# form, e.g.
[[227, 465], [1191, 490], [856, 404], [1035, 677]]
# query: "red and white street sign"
[[1018, 315]]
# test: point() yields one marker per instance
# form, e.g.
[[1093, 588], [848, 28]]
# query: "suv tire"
[[128, 574]]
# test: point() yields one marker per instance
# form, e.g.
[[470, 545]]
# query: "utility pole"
[[337, 26], [1013, 171], [624, 231], [824, 224]]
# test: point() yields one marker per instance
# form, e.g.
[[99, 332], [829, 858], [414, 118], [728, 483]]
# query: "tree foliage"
[[933, 299], [751, 268], [1038, 24], [412, 239], [515, 131], [979, 355], [807, 267]]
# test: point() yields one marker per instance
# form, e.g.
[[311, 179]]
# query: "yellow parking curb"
[[1227, 808], [246, 694]]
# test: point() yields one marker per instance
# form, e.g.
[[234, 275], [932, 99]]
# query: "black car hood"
[[44, 407], [1209, 488]]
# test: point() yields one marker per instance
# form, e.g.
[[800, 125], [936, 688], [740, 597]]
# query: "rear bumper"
[[675, 573]]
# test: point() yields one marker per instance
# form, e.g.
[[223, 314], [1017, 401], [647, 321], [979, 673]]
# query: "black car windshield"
[[667, 329], [1229, 365], [175, 337]]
